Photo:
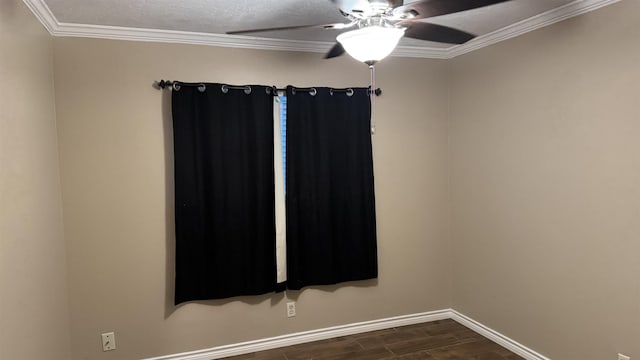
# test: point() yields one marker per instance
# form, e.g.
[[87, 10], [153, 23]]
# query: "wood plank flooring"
[[438, 340]]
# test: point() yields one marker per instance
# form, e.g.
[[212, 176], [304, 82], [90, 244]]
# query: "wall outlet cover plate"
[[108, 341]]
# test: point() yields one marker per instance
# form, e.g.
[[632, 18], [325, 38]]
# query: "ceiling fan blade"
[[430, 8], [335, 51], [438, 33], [294, 27]]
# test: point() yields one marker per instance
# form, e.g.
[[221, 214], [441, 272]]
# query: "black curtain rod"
[[163, 84]]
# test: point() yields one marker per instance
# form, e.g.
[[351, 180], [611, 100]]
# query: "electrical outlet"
[[108, 341], [291, 309], [623, 357]]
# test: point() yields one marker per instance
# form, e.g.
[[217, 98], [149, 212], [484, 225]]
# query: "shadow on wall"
[[170, 307], [169, 203]]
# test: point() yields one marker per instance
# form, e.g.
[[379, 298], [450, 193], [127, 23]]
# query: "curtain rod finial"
[[377, 91], [162, 84]]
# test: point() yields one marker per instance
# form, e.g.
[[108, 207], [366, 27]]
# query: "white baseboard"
[[496, 337], [350, 329]]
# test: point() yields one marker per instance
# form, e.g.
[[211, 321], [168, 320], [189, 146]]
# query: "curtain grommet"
[[247, 90], [202, 88], [313, 92], [176, 86], [348, 91]]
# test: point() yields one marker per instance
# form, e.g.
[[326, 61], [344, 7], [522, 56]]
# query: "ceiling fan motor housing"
[[364, 8]]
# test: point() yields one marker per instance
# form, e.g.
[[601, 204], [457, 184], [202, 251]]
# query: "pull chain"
[[372, 96]]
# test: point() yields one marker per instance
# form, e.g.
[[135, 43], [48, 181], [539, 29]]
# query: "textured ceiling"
[[219, 16]]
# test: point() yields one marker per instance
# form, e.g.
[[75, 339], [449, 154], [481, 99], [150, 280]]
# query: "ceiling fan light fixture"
[[370, 44]]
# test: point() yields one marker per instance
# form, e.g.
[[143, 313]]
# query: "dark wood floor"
[[438, 340]]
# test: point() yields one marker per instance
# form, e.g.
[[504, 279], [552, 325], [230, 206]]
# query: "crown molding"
[[56, 28], [550, 17], [185, 37], [43, 13]]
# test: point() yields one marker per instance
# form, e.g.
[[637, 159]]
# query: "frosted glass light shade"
[[370, 44]]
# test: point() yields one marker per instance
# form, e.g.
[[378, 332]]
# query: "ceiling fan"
[[380, 24]]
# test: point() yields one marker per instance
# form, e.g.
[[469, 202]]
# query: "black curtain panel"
[[224, 192], [331, 223]]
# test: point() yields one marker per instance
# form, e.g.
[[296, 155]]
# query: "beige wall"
[[116, 165], [546, 186], [34, 318], [544, 172]]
